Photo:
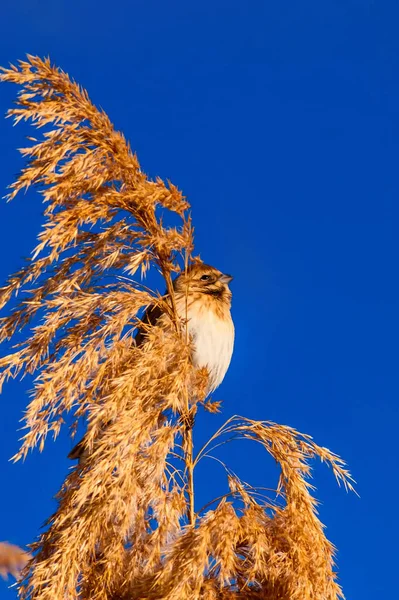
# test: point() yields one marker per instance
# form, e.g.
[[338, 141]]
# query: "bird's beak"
[[225, 278]]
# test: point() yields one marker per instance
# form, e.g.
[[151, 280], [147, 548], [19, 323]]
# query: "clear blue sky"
[[280, 121]]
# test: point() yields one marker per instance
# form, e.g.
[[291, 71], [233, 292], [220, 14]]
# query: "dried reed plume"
[[125, 527], [12, 560]]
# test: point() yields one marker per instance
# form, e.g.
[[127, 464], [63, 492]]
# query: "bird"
[[203, 301]]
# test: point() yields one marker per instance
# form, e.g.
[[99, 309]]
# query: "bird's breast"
[[213, 340]]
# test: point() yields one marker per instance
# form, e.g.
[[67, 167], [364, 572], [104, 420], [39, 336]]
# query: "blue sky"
[[280, 122]]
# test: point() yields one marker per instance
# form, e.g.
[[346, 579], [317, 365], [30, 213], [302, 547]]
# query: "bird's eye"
[[205, 278]]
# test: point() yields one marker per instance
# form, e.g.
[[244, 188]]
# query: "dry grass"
[[12, 560], [125, 527]]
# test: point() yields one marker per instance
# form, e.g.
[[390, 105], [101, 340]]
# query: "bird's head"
[[204, 279]]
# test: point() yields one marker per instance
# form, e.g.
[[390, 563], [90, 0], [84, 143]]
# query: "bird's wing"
[[150, 317], [78, 450]]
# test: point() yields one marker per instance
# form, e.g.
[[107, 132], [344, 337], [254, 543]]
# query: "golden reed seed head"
[[126, 526]]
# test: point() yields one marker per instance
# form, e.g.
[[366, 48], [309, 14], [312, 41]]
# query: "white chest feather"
[[213, 340]]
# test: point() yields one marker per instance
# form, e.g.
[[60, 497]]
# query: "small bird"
[[203, 300]]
